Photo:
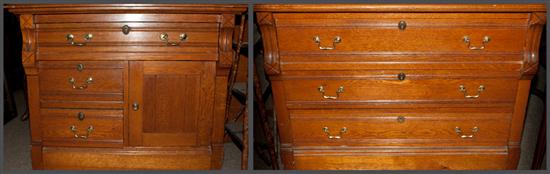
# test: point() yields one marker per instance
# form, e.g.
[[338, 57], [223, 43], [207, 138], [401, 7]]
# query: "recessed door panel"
[[169, 103]]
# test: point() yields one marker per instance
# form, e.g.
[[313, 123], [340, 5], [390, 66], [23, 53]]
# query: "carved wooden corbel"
[[531, 53], [28, 53], [226, 52], [269, 37]]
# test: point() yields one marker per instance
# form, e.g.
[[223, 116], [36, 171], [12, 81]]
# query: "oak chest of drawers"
[[127, 86], [400, 86]]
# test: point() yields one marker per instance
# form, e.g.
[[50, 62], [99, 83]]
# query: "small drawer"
[[400, 33], [82, 127], [82, 83], [400, 88], [398, 127]]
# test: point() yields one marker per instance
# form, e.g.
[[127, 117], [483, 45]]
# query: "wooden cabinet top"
[[124, 8], [400, 8]]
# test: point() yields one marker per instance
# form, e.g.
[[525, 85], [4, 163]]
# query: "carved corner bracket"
[[269, 36], [531, 53], [226, 52], [28, 53]]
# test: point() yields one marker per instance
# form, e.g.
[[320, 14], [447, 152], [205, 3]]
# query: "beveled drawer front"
[[401, 33], [75, 40], [436, 159], [82, 127], [82, 83], [395, 127], [400, 89]]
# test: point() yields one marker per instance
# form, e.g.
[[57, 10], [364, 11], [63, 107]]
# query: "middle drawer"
[[418, 90], [82, 84]]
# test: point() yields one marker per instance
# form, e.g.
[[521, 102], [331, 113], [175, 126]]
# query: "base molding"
[[125, 158]]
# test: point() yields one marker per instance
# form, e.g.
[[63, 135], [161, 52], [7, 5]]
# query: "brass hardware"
[[87, 37], [164, 37], [79, 67], [463, 90], [402, 25], [135, 106], [486, 39], [400, 119], [342, 131], [80, 116], [75, 132], [401, 76], [126, 29], [459, 132], [338, 91], [72, 81], [336, 40]]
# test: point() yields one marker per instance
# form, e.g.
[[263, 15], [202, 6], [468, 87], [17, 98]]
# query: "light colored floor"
[[17, 148]]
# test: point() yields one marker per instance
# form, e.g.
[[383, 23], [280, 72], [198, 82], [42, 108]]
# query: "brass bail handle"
[[342, 131], [72, 81], [338, 91], [464, 136], [75, 132], [164, 37], [485, 41], [336, 40], [87, 37], [463, 89]]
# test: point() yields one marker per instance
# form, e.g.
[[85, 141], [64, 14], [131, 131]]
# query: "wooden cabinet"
[[400, 86], [127, 86]]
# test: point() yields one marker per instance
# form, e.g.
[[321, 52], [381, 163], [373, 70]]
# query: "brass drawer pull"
[[75, 132], [336, 40], [463, 90], [126, 29], [459, 132], [342, 131], [164, 37], [338, 91], [486, 39], [72, 81], [87, 37]]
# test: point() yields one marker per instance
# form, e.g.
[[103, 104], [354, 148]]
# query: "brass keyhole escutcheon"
[[126, 29], [80, 67], [80, 116], [402, 25], [401, 76], [135, 106], [400, 119]]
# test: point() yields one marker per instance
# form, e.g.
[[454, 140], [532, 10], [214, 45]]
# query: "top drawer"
[[123, 35], [401, 33]]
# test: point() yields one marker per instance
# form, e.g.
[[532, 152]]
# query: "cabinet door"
[[171, 103]]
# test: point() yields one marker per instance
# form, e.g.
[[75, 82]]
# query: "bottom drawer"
[[342, 160], [82, 127], [124, 159]]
